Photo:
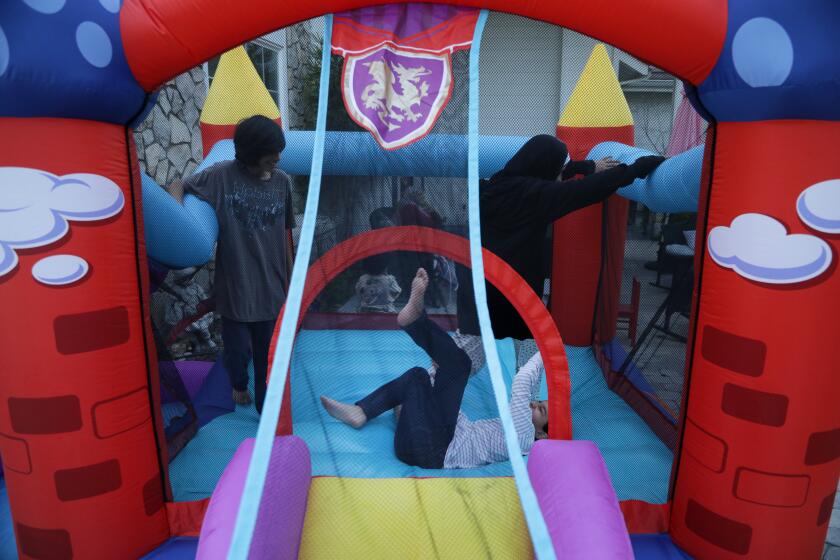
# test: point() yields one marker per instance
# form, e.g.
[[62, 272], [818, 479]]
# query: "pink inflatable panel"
[[283, 506], [578, 501]]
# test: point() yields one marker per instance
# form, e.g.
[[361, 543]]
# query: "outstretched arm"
[[198, 184], [176, 189], [525, 384], [290, 257], [561, 198], [584, 167]]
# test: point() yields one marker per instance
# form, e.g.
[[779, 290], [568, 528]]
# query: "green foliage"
[[337, 117]]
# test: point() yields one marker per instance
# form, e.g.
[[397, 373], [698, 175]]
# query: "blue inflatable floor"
[[194, 473], [638, 462], [8, 548], [176, 548], [656, 547], [370, 359]]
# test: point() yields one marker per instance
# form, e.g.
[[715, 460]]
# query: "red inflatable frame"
[[739, 474], [158, 52]]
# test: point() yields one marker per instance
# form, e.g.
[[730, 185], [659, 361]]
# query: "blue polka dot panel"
[[778, 62], [65, 59]]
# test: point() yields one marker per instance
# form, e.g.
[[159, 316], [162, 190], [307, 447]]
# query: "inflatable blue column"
[[674, 186]]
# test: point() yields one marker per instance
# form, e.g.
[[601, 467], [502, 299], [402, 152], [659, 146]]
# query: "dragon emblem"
[[381, 95], [397, 95]]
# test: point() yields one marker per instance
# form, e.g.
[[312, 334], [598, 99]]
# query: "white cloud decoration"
[[759, 248], [819, 206], [60, 270], [8, 259], [36, 206]]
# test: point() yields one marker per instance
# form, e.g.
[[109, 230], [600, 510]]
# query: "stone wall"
[[303, 60], [169, 140], [168, 148]]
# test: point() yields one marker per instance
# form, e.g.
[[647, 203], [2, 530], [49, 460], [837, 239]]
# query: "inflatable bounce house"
[[113, 446]]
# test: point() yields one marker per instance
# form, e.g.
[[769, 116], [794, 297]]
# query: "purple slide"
[[578, 501], [282, 509]]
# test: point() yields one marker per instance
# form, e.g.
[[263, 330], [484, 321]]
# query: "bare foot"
[[241, 397], [416, 301], [350, 414]]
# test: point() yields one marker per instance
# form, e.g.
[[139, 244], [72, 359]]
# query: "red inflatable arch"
[[497, 272], [163, 39]]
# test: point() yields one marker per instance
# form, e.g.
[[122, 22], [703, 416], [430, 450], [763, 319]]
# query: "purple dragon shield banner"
[[397, 75]]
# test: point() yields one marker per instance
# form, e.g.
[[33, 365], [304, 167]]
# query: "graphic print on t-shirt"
[[255, 209]]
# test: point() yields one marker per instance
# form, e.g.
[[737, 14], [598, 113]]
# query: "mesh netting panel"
[[175, 338], [644, 310], [350, 344], [351, 348], [538, 78], [195, 384], [656, 287], [657, 274]]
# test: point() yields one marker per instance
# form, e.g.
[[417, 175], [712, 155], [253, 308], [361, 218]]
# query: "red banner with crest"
[[397, 75]]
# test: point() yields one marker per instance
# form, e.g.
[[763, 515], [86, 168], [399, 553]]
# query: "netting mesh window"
[[626, 377]]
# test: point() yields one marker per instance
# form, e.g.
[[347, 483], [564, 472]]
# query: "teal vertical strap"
[[533, 516], [246, 519]]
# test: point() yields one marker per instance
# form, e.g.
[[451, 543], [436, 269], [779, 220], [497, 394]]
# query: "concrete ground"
[[660, 357]]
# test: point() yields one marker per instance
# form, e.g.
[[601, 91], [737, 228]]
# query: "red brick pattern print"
[[733, 352], [771, 489], [49, 415], [94, 330], [754, 406], [823, 447], [75, 433], [114, 416], [825, 509], [44, 544], [152, 496], [703, 447], [15, 453], [88, 481], [726, 533], [758, 468]]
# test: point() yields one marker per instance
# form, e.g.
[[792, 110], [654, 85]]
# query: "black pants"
[[429, 412], [242, 342]]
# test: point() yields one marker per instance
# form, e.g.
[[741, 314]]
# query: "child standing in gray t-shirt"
[[253, 204]]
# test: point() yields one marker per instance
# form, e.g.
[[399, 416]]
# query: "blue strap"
[[249, 505], [540, 538]]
